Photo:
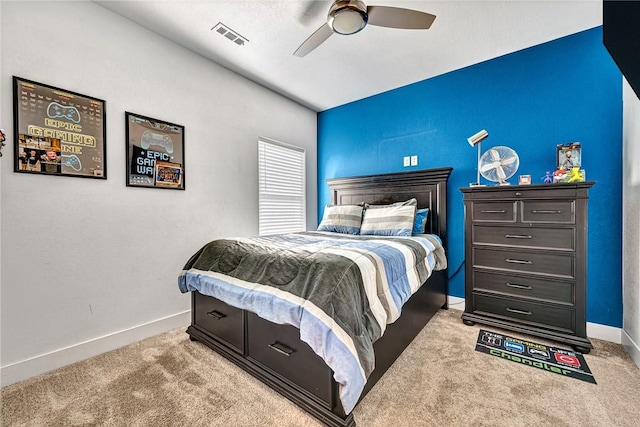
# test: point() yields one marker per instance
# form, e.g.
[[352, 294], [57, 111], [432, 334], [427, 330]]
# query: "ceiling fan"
[[350, 16]]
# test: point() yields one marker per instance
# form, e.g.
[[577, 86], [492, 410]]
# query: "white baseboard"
[[455, 302], [632, 348], [604, 332], [40, 364], [594, 330]]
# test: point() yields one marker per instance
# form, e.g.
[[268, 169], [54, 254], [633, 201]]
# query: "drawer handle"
[[217, 315], [517, 286], [513, 310], [518, 261], [517, 236], [494, 211], [281, 348], [546, 211], [518, 194]]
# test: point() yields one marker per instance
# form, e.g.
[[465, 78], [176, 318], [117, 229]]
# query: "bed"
[[230, 280]]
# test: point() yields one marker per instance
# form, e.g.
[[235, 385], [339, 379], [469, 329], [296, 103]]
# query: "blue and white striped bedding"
[[340, 291]]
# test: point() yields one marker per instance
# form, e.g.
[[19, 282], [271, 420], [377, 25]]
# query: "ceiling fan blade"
[[314, 40], [395, 17]]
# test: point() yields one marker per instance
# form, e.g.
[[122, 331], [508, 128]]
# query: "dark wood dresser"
[[526, 259]]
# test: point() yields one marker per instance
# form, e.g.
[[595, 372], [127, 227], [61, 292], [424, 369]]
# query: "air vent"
[[223, 30]]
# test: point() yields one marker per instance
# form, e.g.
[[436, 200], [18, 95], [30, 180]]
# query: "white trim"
[[281, 144], [455, 302], [604, 332], [40, 364], [632, 348]]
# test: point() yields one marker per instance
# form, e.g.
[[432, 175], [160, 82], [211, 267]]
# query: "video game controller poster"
[[58, 132], [155, 153]]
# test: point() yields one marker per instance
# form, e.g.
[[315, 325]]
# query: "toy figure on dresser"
[[560, 175], [576, 175], [548, 178], [567, 162]]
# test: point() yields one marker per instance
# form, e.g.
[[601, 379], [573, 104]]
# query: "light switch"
[[407, 161], [414, 160]]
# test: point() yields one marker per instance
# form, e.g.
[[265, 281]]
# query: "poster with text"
[[155, 153], [58, 132]]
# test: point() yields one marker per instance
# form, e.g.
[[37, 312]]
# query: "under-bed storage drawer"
[[278, 347], [220, 320]]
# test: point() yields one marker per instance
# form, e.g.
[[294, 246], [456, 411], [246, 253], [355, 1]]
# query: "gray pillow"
[[341, 219], [389, 220]]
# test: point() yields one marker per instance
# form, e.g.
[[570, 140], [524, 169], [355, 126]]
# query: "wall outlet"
[[407, 161], [414, 160]]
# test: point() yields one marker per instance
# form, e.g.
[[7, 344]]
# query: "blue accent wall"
[[562, 91]]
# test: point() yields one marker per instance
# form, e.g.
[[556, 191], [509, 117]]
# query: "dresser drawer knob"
[[513, 310], [281, 348], [517, 286], [518, 261], [537, 211], [494, 211], [518, 194], [517, 236], [217, 315]]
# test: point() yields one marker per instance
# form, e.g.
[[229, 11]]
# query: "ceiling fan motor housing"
[[347, 16]]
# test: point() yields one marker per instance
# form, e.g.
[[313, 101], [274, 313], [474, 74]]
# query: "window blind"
[[281, 174]]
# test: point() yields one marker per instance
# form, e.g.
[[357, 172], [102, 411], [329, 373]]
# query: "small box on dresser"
[[526, 259]]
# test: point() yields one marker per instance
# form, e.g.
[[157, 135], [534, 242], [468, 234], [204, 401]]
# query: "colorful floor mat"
[[552, 359]]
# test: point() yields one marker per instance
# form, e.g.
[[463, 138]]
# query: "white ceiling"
[[377, 59]]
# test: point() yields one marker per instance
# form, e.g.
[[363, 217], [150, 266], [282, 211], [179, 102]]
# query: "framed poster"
[[155, 153], [58, 132]]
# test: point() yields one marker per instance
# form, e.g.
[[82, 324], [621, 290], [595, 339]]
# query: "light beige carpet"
[[440, 380]]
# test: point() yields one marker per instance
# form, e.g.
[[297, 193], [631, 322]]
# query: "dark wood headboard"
[[428, 187]]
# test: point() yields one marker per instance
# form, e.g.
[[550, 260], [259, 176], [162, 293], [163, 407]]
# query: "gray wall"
[[84, 262], [631, 223]]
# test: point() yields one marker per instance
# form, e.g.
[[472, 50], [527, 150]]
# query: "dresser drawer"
[[557, 264], [540, 314], [548, 211], [561, 292], [494, 211], [530, 237], [220, 320], [278, 347]]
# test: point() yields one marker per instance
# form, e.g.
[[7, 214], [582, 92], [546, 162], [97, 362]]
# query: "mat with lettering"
[[552, 359]]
